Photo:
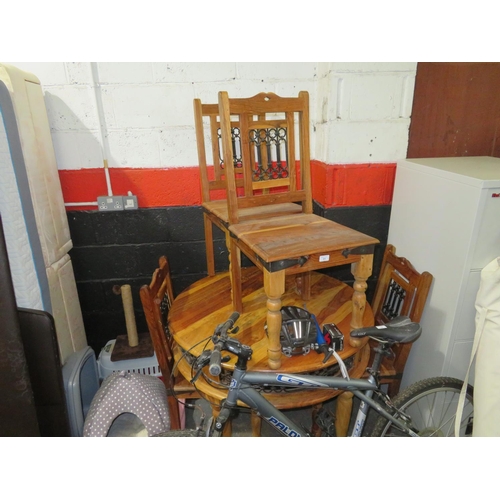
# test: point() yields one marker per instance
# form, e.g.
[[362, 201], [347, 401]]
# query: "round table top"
[[201, 307]]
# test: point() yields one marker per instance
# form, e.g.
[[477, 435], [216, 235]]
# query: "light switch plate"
[[130, 202]]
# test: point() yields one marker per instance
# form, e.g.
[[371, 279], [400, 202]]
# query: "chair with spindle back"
[[274, 163], [273, 152], [156, 299], [400, 290], [274, 133], [213, 181]]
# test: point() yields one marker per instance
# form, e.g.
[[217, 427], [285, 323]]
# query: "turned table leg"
[[274, 286], [361, 270], [343, 413]]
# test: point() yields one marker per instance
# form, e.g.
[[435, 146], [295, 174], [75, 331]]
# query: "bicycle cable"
[[342, 366]]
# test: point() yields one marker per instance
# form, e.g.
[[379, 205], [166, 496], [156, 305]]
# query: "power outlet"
[[110, 203]]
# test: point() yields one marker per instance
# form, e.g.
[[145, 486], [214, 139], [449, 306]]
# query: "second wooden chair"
[[213, 177], [156, 298], [400, 290]]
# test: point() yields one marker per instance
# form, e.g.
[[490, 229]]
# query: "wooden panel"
[[456, 110]]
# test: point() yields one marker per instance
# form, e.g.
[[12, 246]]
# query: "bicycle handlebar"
[[220, 333], [214, 366]]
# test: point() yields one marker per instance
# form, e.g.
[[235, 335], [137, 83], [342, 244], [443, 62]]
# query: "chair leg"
[[393, 388], [235, 271], [209, 245], [303, 282], [173, 408]]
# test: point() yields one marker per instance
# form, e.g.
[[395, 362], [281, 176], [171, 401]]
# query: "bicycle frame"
[[361, 388]]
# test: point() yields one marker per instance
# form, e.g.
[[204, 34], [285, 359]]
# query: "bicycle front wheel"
[[432, 406]]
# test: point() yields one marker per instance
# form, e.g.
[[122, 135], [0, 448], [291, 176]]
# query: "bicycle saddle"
[[400, 329]]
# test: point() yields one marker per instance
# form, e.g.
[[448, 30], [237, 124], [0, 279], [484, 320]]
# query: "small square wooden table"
[[298, 244]]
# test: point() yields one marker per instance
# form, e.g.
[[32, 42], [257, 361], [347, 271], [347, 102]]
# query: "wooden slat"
[[268, 102]]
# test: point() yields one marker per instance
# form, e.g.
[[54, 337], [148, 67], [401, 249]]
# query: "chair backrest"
[[207, 124], [156, 299], [274, 150], [401, 289]]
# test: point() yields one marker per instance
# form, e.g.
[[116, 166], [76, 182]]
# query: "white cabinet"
[[445, 219]]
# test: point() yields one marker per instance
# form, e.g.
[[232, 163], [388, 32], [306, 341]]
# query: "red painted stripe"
[[332, 185], [353, 185]]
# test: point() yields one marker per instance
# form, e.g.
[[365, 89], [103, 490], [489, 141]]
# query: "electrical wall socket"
[[110, 203], [130, 202]]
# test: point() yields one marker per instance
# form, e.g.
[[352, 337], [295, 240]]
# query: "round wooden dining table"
[[197, 311]]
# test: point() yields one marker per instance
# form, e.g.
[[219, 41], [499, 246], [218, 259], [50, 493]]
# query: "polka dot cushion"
[[124, 392]]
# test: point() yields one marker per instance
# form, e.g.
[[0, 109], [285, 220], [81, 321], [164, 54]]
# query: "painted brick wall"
[[363, 113], [117, 248], [139, 115]]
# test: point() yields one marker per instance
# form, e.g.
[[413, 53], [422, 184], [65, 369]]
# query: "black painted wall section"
[[116, 248]]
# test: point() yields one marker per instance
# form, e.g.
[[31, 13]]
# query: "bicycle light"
[[333, 336]]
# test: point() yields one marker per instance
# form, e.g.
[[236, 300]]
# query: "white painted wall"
[[360, 112]]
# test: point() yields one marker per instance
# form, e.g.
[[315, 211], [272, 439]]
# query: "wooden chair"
[[273, 152], [213, 179], [274, 134], [400, 289], [273, 161], [157, 298]]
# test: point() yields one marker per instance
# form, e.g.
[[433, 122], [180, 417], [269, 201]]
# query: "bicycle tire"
[[436, 421]]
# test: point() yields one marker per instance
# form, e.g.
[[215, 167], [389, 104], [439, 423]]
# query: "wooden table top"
[[298, 235], [201, 307]]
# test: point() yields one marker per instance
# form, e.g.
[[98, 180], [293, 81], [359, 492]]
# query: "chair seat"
[[219, 209], [290, 237]]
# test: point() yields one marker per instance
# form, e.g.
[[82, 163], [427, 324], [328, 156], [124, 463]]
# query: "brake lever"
[[196, 376], [202, 360]]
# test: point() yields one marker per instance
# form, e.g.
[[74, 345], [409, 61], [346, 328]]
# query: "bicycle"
[[425, 408]]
